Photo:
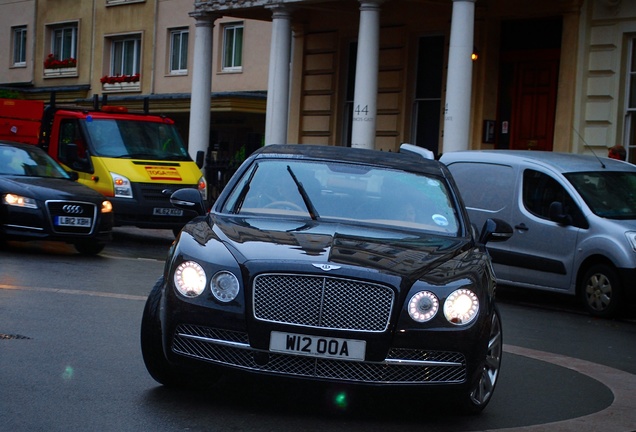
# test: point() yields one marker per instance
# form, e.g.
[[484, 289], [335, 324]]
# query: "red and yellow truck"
[[135, 159]]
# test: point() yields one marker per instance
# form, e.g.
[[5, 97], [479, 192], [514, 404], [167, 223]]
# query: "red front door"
[[534, 104]]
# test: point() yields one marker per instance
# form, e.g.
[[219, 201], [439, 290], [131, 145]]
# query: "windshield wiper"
[[303, 193], [239, 200]]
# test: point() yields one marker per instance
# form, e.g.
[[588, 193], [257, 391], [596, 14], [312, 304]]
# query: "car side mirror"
[[557, 214], [495, 230], [188, 199], [200, 158]]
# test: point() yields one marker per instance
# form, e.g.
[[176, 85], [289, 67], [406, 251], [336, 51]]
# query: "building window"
[[125, 55], [179, 51], [19, 45], [233, 47], [630, 121], [64, 42]]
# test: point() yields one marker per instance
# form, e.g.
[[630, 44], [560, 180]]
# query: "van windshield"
[[135, 140], [610, 194]]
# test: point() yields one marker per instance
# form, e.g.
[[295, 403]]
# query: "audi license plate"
[[317, 346], [162, 211], [73, 221]]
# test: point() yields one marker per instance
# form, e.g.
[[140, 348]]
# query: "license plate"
[[73, 221], [161, 211], [317, 346]]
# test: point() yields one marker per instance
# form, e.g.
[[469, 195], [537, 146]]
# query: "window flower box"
[[121, 83], [59, 68], [60, 72]]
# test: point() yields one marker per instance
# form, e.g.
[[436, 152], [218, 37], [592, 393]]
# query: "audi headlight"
[[107, 206], [122, 186], [19, 201], [224, 286], [461, 307], [423, 306], [189, 279]]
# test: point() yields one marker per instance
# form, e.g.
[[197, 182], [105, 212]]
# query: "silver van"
[[574, 221]]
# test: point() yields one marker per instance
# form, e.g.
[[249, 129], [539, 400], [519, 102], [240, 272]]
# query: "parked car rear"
[[574, 218]]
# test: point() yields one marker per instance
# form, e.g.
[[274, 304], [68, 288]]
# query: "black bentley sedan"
[[331, 264], [39, 200]]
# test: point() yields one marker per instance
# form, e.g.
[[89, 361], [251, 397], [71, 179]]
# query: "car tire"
[[482, 390], [89, 248], [601, 291]]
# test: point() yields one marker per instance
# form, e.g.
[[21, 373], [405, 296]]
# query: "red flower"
[[115, 79], [52, 63]]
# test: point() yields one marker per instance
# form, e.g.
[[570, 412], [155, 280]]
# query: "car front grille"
[[154, 193], [402, 366], [72, 209], [322, 302]]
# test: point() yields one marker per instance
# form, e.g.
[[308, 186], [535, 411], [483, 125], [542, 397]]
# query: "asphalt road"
[[70, 361]]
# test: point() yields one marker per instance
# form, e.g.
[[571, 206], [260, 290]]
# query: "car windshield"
[[20, 161], [339, 191], [135, 140], [609, 194]]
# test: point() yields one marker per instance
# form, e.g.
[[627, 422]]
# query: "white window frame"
[[19, 45], [59, 33], [118, 62], [232, 55], [179, 49], [629, 139]]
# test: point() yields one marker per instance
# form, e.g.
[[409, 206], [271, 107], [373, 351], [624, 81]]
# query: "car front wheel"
[[601, 290], [481, 393]]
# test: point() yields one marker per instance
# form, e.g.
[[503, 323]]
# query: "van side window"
[[484, 186], [540, 190]]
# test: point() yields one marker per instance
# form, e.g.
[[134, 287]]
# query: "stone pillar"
[[457, 110], [276, 117], [199, 137], [366, 80]]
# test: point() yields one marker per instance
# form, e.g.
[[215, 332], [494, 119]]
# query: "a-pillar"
[[199, 137], [277, 115], [459, 78], [366, 81]]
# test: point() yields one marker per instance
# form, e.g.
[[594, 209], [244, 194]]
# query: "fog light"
[[224, 286], [423, 306], [461, 307], [189, 279]]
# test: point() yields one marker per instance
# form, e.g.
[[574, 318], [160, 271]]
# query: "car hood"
[[48, 188], [322, 243]]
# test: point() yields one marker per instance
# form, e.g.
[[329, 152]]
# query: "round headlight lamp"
[[189, 279], [224, 286], [461, 307], [423, 306]]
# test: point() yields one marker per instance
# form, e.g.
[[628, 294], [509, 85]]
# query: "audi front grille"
[[73, 209]]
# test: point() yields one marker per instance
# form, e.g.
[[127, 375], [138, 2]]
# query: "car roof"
[[391, 160], [561, 162]]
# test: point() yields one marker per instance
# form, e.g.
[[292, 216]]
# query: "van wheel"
[[601, 290]]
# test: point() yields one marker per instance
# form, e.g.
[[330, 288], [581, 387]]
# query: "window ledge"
[[121, 2]]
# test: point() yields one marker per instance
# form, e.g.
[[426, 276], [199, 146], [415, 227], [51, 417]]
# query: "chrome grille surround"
[[322, 302], [402, 366]]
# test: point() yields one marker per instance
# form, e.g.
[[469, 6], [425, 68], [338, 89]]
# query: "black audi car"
[[331, 264], [39, 200]]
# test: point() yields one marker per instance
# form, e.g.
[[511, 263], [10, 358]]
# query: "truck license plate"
[[317, 346], [73, 221], [162, 211]]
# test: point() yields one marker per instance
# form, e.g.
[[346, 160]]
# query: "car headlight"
[[107, 206], [19, 201], [461, 307], [423, 306], [122, 186], [631, 238], [224, 286], [189, 279]]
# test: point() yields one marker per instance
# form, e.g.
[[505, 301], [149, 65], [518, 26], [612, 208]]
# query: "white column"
[[277, 115], [366, 83], [459, 78], [199, 137]]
